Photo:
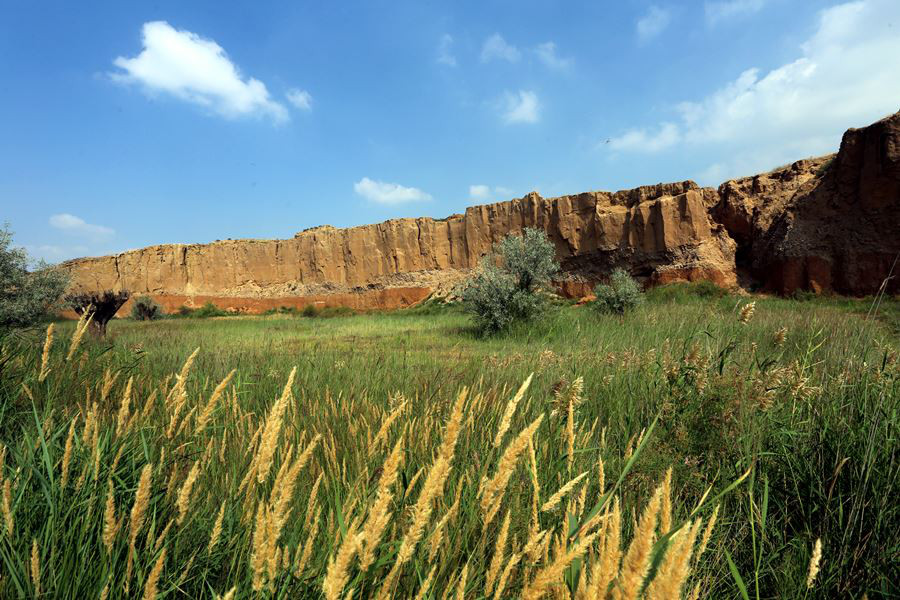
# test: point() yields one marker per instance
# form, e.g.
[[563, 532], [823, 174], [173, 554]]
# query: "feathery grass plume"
[[780, 336], [379, 514], [217, 528], [535, 489], [45, 355], [636, 563], [109, 379], [35, 567], [431, 489], [6, 505], [263, 548], [229, 595], [461, 586], [665, 511], [504, 576], [138, 512], [67, 456], [494, 488], [510, 411], [308, 545], [162, 536], [814, 564], [206, 413], [184, 496], [605, 565], [561, 493], [124, 409], [338, 572], [385, 427], [311, 502], [153, 578], [80, 328], [437, 536], [707, 532], [110, 523], [269, 439], [675, 565], [497, 559], [426, 585], [283, 492], [550, 574], [746, 312]]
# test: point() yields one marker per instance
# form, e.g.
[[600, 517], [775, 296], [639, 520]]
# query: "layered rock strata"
[[822, 224]]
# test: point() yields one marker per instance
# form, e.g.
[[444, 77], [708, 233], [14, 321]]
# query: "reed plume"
[[45, 355]]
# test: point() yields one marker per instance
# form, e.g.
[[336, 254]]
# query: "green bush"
[[506, 288], [310, 310], [209, 310], [26, 295], [146, 308], [620, 295]]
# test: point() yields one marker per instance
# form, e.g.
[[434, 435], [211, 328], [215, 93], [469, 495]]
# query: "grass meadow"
[[693, 448]]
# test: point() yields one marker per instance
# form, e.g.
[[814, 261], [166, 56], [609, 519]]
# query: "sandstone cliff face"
[[827, 223]]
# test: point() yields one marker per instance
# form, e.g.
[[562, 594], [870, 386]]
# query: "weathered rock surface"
[[820, 224]]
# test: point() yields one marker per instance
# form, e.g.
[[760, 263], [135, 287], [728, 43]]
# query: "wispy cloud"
[[388, 193], [445, 51], [301, 99], [197, 70], [801, 108], [483, 192], [546, 53], [723, 10], [79, 227], [653, 23], [497, 48], [520, 107]]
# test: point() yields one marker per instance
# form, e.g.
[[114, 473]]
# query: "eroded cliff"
[[821, 224]]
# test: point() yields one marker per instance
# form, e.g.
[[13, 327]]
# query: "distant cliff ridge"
[[831, 223]]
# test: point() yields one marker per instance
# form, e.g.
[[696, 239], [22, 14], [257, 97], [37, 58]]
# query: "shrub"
[[25, 295], [146, 309], [101, 307], [209, 310], [310, 310], [506, 288], [620, 295]]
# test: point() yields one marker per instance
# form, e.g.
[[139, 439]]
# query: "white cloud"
[[843, 78], [196, 70], [723, 10], [301, 99], [445, 51], [653, 23], [521, 107], [78, 227], [640, 140], [546, 52], [496, 48], [484, 192], [388, 193]]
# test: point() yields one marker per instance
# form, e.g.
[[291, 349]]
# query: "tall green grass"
[[811, 423]]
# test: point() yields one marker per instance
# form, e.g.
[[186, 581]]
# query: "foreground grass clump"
[[404, 456]]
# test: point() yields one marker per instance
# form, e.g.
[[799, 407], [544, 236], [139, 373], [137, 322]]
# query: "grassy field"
[[398, 459]]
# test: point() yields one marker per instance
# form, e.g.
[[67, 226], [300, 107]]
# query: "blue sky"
[[125, 124]]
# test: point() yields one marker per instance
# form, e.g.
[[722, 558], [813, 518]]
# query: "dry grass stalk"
[[746, 312], [110, 523], [461, 586], [494, 488], [379, 514], [184, 495], [35, 567], [814, 564], [504, 576], [637, 560], [510, 411], [338, 572], [426, 585], [270, 434], [217, 528], [153, 578], [206, 413], [45, 355], [80, 328], [675, 566], [124, 409], [561, 493], [497, 560], [550, 574]]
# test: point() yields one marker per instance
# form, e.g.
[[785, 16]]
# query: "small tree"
[[506, 286], [26, 294], [621, 294], [100, 306], [146, 308]]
